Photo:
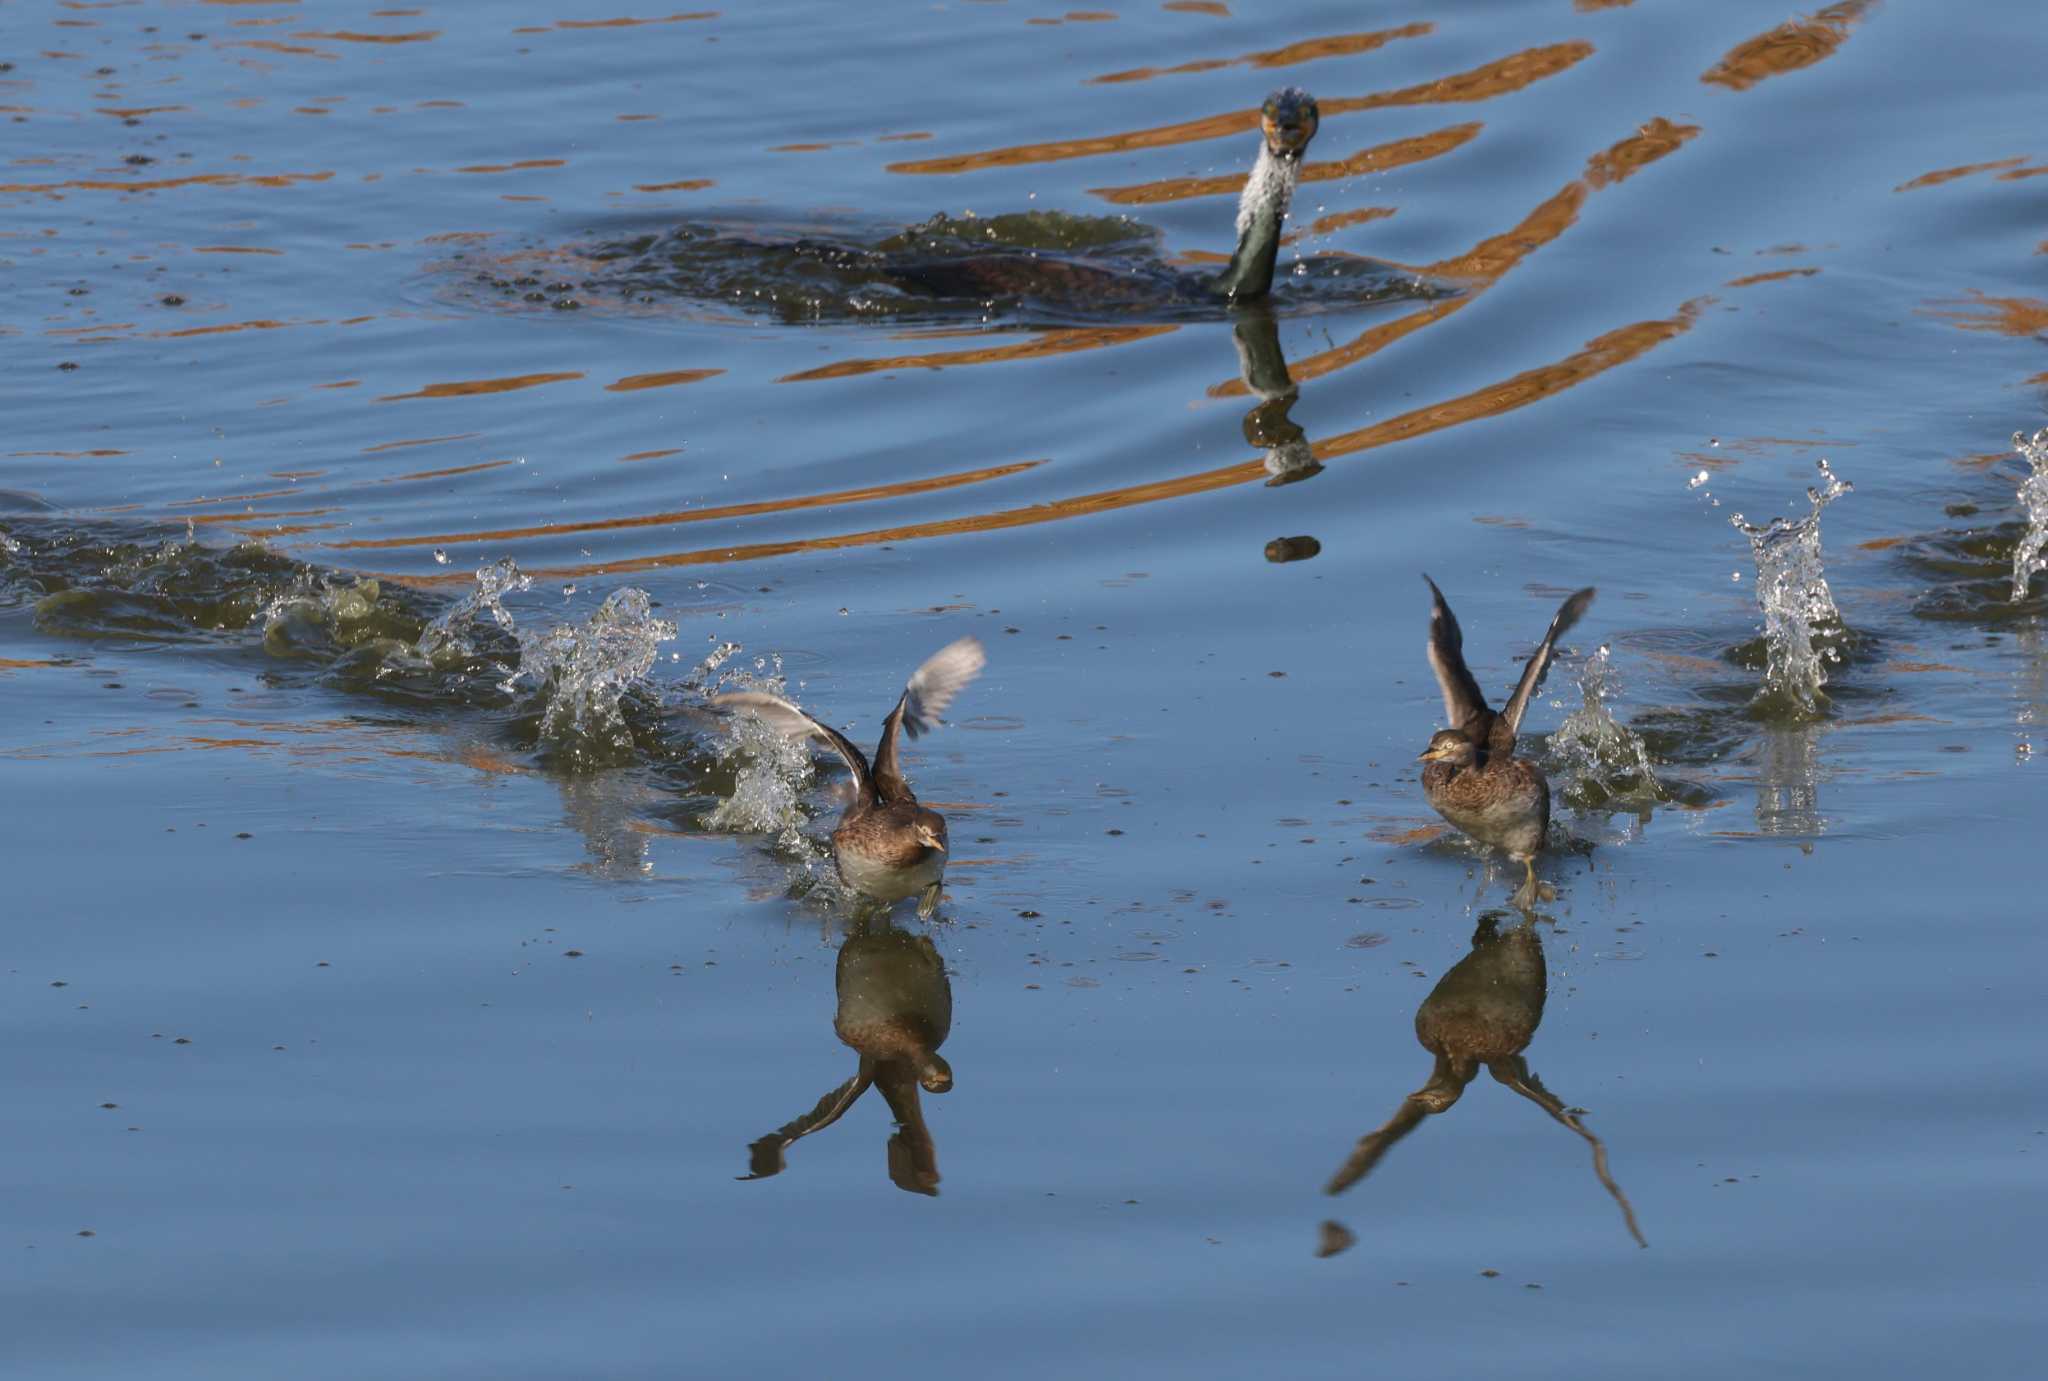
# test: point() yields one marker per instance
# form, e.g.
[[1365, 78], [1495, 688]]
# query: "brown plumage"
[[887, 846], [1473, 778]]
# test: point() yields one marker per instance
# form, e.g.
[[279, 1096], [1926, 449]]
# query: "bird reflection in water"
[[1484, 1011], [1263, 367], [895, 1010]]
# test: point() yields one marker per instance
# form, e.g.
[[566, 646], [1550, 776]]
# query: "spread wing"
[[932, 687], [787, 719], [1464, 707], [1510, 721]]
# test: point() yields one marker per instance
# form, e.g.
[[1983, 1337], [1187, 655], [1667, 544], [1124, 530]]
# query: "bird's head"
[[1448, 745], [930, 832], [1289, 118]]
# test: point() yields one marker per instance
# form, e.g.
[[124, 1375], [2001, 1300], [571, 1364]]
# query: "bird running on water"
[[887, 846], [1472, 776]]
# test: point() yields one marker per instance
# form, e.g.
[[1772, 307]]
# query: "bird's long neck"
[[1260, 212]]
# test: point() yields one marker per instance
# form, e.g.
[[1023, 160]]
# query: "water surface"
[[373, 1021]]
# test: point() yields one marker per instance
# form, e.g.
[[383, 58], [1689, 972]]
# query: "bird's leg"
[[1532, 891], [929, 901]]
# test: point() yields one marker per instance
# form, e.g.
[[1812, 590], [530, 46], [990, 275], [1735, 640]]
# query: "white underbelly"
[[886, 884]]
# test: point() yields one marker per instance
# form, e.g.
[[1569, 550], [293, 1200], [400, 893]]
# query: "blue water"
[[1191, 911]]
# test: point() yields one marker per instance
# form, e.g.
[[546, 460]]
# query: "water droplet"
[[440, 557]]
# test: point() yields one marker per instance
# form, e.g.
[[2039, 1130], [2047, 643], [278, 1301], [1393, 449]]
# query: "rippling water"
[[397, 989]]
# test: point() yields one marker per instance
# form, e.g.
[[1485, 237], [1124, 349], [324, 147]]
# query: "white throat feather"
[[1271, 184]]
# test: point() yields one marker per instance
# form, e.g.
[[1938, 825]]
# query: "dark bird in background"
[[1287, 121], [887, 846], [1472, 777]]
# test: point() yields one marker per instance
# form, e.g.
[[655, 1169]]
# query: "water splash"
[[448, 636], [584, 669], [771, 775], [2031, 555], [1802, 626], [320, 613], [1599, 760]]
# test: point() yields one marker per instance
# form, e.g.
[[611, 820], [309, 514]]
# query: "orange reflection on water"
[[1342, 220], [1792, 45], [865, 494], [2009, 316], [1499, 78], [1039, 346], [1941, 175], [634, 382], [470, 388], [348, 36], [1599, 355], [515, 167], [271, 45], [1308, 50], [620, 23], [413, 441], [449, 472], [1487, 262], [1509, 74], [229, 326], [1399, 153], [1771, 277], [162, 184]]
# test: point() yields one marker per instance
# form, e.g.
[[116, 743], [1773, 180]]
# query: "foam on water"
[[1801, 622], [2031, 555]]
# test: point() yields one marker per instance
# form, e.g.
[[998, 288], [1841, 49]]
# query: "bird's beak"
[[1288, 141], [929, 837]]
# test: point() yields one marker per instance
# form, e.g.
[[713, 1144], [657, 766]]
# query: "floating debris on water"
[[2031, 555], [1802, 626]]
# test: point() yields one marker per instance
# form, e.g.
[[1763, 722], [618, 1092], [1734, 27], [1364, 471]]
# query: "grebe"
[[1473, 778], [887, 846]]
